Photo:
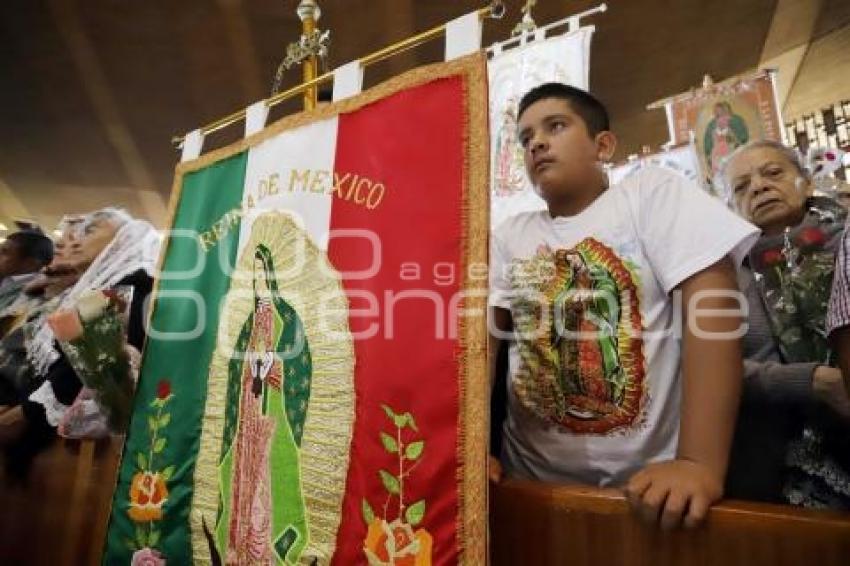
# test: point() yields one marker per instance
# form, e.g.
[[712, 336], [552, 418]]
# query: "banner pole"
[[495, 10]]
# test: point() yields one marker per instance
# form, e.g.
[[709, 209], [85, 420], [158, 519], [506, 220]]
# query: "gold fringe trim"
[[473, 436]]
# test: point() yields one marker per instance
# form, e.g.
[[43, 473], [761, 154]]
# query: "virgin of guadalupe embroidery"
[[262, 515]]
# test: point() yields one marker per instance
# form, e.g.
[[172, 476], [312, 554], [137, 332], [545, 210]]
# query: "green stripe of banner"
[[164, 434]]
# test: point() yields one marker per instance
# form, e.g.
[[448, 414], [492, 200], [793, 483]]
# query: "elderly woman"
[[790, 443], [106, 249]]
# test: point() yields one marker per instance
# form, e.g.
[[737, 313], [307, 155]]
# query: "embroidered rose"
[[147, 557], [771, 257], [66, 325], [91, 304], [395, 544], [811, 236], [148, 492], [163, 389]]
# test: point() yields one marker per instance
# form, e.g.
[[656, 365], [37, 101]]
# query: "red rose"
[[163, 389], [811, 236], [771, 257]]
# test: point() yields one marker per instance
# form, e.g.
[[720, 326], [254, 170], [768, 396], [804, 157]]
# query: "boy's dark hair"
[[583, 103], [33, 244]]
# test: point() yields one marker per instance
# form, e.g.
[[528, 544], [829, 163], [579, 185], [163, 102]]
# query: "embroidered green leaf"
[[153, 539], [415, 513], [142, 461], [399, 421], [152, 423], [414, 450], [389, 443], [158, 445], [390, 482], [368, 514], [131, 545], [165, 419], [167, 473], [409, 419], [389, 412], [140, 537]]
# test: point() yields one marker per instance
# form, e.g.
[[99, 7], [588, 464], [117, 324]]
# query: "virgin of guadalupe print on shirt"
[[584, 368]]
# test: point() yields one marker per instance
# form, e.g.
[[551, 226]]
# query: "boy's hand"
[[667, 492]]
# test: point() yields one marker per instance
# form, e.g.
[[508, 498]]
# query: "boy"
[[585, 294]]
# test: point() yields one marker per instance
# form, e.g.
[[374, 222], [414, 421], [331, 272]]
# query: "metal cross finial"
[[313, 44], [527, 23]]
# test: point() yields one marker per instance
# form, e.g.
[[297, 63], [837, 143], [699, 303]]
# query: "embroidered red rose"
[[771, 257], [163, 389], [811, 236]]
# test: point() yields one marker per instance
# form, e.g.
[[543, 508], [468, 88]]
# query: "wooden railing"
[[58, 517], [542, 524]]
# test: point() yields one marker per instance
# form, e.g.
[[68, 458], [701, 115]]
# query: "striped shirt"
[[838, 312]]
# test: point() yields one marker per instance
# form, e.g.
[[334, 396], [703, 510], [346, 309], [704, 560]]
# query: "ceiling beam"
[[100, 94], [788, 40], [11, 207], [245, 54]]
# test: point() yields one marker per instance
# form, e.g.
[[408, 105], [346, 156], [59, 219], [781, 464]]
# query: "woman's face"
[[768, 189], [94, 238]]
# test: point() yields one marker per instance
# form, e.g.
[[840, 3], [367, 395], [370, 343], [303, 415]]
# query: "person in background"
[[109, 249], [790, 443], [22, 255], [838, 313]]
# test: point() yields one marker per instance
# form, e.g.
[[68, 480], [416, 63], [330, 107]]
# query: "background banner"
[[564, 58]]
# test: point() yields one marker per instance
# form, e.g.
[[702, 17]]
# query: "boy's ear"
[[606, 145]]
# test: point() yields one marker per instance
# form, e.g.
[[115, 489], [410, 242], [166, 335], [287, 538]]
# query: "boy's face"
[[560, 155]]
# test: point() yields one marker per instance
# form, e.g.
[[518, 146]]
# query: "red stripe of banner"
[[413, 144]]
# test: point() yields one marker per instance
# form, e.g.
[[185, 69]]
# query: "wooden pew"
[[58, 514], [59, 517], [533, 523]]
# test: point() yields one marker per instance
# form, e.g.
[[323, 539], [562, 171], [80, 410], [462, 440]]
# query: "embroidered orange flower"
[[395, 544], [148, 492]]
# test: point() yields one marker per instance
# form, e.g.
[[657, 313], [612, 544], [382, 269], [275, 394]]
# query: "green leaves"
[[415, 513], [414, 450], [400, 421], [165, 419], [158, 445], [389, 412], [389, 443], [141, 461], [167, 473], [153, 539], [366, 510], [390, 482], [141, 538]]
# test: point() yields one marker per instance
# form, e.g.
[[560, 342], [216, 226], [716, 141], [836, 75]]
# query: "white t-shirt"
[[598, 408]]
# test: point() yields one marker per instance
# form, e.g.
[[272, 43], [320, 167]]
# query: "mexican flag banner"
[[313, 388]]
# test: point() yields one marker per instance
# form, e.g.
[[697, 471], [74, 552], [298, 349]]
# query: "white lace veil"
[[135, 246]]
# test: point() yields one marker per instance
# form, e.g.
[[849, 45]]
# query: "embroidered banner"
[[566, 59], [724, 116], [682, 159], [314, 384]]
